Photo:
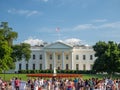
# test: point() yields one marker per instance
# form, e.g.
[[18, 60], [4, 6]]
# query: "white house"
[[59, 55]]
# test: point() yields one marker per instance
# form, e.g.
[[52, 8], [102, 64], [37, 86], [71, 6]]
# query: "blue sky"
[[87, 20]]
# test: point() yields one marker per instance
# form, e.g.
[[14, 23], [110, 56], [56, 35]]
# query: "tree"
[[108, 57], [6, 38], [10, 53], [21, 51], [7, 33], [5, 56]]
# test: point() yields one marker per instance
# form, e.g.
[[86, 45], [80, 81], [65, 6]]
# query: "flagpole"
[[58, 35], [58, 32]]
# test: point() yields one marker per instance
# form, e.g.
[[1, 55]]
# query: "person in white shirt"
[[36, 84]]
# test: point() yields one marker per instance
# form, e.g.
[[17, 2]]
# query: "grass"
[[100, 76], [7, 77]]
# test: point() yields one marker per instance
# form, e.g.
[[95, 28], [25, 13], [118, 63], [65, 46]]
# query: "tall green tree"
[[5, 56], [10, 53], [6, 38], [108, 57]]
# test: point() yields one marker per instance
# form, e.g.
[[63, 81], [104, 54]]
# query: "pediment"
[[58, 45]]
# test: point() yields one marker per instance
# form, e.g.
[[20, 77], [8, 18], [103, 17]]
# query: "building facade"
[[59, 55]]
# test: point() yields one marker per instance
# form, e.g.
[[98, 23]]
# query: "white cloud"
[[34, 42], [24, 12], [73, 41], [84, 27], [113, 25]]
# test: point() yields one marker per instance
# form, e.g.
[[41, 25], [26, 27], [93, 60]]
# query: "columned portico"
[[55, 62]]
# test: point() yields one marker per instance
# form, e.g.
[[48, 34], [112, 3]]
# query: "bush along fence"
[[58, 71]]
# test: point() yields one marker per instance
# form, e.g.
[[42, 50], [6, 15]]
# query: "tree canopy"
[[5, 56], [10, 53], [21, 51], [108, 57], [7, 34]]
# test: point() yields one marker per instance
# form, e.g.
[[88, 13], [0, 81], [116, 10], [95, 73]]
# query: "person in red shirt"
[[17, 83]]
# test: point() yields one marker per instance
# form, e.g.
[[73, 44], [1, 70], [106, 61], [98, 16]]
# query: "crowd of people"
[[61, 84]]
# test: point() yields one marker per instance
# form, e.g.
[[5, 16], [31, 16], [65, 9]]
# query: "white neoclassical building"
[[59, 55]]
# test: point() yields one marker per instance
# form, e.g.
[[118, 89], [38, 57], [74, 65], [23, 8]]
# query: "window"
[[91, 57], [58, 68], [50, 56], [20, 66], [26, 66], [84, 67], [33, 66], [33, 56], [40, 57], [40, 66], [67, 67], [77, 66], [58, 57], [67, 57], [77, 57], [50, 66], [84, 57]]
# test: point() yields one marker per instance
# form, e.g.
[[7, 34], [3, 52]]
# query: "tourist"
[[109, 84], [17, 84], [86, 85], [75, 82], [36, 84], [61, 85], [0, 82], [32, 84], [3, 85], [9, 87]]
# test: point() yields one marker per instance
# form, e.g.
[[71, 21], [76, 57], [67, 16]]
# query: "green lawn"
[[10, 76], [100, 76], [23, 76]]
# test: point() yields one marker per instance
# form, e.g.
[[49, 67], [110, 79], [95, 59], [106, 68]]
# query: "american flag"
[[57, 29]]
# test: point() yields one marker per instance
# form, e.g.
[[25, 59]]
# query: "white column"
[[54, 61], [63, 60], [72, 63], [45, 61]]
